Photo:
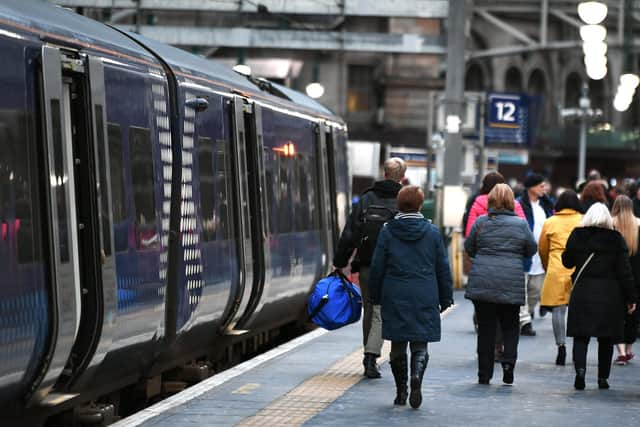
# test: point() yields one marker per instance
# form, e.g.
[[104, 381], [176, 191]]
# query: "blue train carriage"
[[153, 204]]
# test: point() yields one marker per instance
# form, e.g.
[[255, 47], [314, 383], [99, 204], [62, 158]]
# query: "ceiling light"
[[592, 12]]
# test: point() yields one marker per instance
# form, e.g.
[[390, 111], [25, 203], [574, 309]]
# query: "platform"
[[316, 380]]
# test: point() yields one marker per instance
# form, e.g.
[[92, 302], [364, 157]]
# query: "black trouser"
[[489, 315], [605, 353]]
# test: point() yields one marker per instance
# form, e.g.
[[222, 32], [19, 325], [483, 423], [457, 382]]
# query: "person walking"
[[627, 224], [602, 286], [410, 279], [355, 237], [557, 281], [498, 244], [537, 208]]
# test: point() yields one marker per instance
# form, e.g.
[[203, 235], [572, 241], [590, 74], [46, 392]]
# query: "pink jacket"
[[481, 207]]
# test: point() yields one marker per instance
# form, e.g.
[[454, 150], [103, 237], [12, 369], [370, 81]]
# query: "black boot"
[[603, 383], [419, 361], [371, 369], [507, 373], [562, 355], [399, 368], [579, 381]]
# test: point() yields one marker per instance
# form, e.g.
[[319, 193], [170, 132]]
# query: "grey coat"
[[498, 249]]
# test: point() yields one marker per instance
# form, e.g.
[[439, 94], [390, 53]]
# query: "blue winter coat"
[[410, 278]]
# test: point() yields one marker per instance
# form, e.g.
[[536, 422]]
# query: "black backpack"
[[373, 218]]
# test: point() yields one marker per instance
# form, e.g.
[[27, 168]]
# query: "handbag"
[[575, 281], [466, 259], [334, 302]]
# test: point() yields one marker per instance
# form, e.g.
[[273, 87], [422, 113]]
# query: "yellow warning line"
[[312, 396]]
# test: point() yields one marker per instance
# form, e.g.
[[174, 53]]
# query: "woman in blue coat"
[[411, 280]]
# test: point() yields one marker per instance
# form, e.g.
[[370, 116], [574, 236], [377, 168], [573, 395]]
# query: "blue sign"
[[512, 118], [504, 111]]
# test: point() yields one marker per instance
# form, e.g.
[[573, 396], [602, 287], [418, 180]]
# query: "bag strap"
[[581, 270]]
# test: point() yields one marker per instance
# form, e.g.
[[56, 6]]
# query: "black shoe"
[[579, 384], [483, 381], [371, 369], [527, 330], [399, 369], [562, 355], [603, 384], [419, 361], [507, 373]]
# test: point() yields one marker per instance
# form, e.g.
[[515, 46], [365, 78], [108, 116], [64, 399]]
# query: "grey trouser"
[[558, 315], [533, 286], [371, 320]]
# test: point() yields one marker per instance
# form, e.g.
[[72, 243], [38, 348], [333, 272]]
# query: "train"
[[158, 211]]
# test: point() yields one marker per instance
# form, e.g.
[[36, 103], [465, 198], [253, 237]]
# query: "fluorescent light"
[[629, 81], [593, 33], [592, 12], [315, 90], [594, 48]]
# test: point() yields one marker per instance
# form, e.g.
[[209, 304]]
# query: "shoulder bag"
[[575, 281]]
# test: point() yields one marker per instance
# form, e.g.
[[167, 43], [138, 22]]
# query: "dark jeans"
[[489, 315], [605, 353], [399, 348]]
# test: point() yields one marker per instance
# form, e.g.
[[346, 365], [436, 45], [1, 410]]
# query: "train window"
[[104, 199], [222, 186], [142, 176], [116, 166], [59, 173], [207, 188]]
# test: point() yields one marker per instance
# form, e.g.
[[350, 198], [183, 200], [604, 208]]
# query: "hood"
[[386, 188], [408, 228], [599, 239]]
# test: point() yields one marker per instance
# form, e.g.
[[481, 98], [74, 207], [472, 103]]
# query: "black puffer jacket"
[[386, 192], [498, 249], [597, 302]]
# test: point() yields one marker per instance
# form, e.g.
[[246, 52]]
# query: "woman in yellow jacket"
[[557, 283]]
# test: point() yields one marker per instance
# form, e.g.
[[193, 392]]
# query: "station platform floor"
[[316, 380]]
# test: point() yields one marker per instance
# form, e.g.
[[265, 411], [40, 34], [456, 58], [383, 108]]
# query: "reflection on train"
[[158, 211]]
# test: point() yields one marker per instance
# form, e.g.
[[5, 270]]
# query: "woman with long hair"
[[602, 286], [557, 282], [498, 243], [628, 225]]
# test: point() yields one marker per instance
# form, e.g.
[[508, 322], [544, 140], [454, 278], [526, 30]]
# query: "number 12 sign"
[[504, 111]]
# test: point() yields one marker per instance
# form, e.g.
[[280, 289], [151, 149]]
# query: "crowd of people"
[[575, 256]]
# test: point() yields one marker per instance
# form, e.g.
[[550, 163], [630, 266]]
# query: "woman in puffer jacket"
[[498, 244]]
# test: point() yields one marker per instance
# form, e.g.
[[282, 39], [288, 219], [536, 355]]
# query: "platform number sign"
[[505, 111]]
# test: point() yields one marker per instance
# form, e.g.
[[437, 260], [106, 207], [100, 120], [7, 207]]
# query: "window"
[[222, 187], [142, 176], [207, 188], [116, 166], [361, 94]]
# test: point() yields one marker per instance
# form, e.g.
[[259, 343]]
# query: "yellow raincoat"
[[553, 238]]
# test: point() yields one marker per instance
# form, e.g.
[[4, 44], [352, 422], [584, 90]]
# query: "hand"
[[631, 308]]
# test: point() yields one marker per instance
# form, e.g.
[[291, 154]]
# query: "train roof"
[[56, 21], [58, 24], [186, 62]]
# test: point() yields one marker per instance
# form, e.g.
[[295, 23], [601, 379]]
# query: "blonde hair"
[[501, 197], [597, 216], [625, 222], [394, 169]]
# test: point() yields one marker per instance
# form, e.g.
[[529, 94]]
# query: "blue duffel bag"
[[334, 302]]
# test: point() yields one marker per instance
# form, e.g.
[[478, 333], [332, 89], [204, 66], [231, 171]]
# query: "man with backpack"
[[376, 206]]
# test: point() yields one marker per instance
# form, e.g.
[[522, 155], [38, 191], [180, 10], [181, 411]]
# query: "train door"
[[76, 246], [243, 288]]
